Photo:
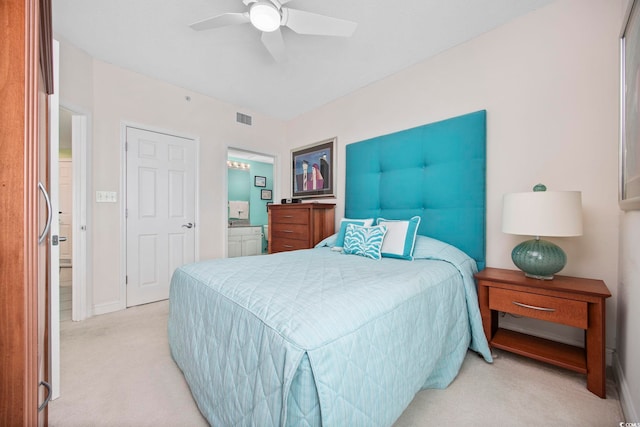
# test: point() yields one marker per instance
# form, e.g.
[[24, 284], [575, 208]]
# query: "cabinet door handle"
[[46, 399], [49, 214], [533, 307]]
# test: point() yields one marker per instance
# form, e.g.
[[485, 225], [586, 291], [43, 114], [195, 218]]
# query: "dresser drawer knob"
[[533, 307]]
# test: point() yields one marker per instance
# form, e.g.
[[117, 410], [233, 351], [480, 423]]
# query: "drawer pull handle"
[[287, 216], [288, 246], [533, 307], [287, 231]]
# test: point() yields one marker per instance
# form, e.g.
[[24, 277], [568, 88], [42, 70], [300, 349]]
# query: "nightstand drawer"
[[558, 310]]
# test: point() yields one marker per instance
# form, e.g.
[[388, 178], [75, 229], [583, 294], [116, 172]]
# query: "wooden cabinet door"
[[25, 80]]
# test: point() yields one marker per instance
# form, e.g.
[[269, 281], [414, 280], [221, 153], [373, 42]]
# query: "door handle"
[[188, 225], [46, 399], [55, 240], [49, 213]]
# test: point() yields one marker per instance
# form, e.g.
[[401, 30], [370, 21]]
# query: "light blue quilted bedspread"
[[316, 337]]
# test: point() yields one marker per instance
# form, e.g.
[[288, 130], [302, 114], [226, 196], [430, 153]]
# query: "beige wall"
[[119, 96], [628, 318]]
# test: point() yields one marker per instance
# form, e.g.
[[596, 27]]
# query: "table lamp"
[[541, 213]]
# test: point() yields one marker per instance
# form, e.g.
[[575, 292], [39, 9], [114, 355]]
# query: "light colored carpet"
[[117, 371]]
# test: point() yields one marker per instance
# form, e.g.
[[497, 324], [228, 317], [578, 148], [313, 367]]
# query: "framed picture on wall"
[[630, 109], [260, 181], [313, 170], [266, 195]]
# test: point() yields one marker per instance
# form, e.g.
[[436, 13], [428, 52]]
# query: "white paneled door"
[[160, 211]]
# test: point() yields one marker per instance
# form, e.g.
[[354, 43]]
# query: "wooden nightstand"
[[567, 300]]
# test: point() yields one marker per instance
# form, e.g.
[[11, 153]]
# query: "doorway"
[[250, 188], [65, 211], [74, 289]]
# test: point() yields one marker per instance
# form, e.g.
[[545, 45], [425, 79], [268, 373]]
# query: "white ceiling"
[[230, 64]]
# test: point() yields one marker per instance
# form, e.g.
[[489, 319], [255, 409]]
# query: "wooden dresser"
[[299, 225]]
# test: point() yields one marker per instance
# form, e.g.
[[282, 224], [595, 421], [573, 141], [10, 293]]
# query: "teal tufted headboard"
[[436, 171]]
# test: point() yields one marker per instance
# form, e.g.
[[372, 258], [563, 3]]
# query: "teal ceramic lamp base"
[[539, 259]]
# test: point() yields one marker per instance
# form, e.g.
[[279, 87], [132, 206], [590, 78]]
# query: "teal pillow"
[[364, 241], [343, 228], [400, 239]]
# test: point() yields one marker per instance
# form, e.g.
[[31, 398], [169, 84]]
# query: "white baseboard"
[[630, 413], [108, 307]]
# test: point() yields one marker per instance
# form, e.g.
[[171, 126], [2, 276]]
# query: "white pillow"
[[400, 239], [343, 228]]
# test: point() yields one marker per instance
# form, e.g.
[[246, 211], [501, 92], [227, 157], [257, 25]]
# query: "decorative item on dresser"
[[567, 300], [541, 213], [300, 225]]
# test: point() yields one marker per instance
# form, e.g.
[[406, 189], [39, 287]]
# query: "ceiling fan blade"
[[223, 20], [311, 23], [275, 44]]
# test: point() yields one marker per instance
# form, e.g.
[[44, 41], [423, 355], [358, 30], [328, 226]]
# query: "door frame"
[[124, 124], [225, 186]]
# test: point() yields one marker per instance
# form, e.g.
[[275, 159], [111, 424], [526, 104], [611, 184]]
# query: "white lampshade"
[[543, 213], [264, 16]]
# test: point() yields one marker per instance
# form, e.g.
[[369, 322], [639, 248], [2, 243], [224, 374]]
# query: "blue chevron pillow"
[[364, 241]]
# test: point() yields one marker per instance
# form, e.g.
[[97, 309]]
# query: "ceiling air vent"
[[243, 118]]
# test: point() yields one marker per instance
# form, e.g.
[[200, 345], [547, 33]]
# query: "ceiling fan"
[[269, 15]]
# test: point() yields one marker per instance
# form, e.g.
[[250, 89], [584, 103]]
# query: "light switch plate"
[[106, 197]]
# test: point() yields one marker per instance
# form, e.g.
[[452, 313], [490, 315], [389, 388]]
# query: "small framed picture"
[[266, 195], [260, 181]]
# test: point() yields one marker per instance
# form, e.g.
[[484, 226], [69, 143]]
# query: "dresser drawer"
[[290, 231], [290, 216], [299, 226], [281, 245], [543, 307]]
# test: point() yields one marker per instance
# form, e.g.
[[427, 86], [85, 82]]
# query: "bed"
[[319, 337]]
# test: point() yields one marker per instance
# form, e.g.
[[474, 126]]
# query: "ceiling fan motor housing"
[[265, 16]]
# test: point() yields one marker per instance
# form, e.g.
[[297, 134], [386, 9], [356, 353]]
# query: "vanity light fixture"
[[232, 164]]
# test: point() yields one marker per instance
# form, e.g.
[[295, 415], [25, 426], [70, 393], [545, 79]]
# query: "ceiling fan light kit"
[[269, 15], [264, 16]]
